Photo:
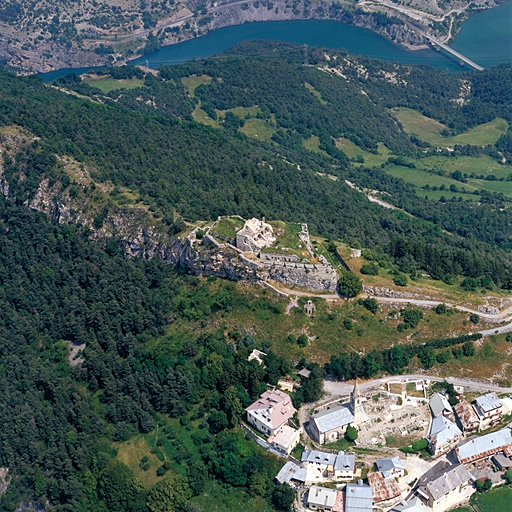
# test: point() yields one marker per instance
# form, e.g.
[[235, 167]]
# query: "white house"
[[286, 440], [321, 466], [391, 466], [489, 408], [270, 412], [321, 498]]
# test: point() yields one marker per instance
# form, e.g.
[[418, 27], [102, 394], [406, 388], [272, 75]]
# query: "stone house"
[[309, 307], [391, 466], [467, 416]]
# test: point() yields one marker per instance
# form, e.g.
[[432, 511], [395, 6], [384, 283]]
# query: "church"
[[330, 425]]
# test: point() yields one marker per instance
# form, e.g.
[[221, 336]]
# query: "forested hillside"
[[183, 169], [275, 144]]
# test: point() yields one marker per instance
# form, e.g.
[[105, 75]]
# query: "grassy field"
[[313, 144], [131, 453], [287, 241], [107, 84], [493, 359], [262, 315], [192, 82], [353, 151], [258, 129], [478, 165], [200, 116], [315, 93], [430, 130]]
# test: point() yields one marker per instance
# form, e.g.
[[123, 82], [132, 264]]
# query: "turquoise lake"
[[485, 38]]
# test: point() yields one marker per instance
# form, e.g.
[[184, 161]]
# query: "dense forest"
[[59, 419]]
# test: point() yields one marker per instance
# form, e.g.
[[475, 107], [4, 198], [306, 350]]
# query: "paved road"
[[342, 388]]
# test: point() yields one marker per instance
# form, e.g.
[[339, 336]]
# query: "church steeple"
[[356, 404]]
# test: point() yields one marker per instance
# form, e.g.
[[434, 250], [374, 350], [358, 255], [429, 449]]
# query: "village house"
[[321, 466], [455, 481], [444, 435], [286, 440], [321, 498], [358, 497], [467, 416], [391, 466], [502, 462], [270, 412], [485, 446], [384, 488], [489, 409], [330, 425], [291, 474], [287, 384], [440, 406]]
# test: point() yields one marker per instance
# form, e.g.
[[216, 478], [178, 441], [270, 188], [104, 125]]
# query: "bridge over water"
[[463, 59]]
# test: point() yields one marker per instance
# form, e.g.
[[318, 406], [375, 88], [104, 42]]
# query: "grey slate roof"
[[489, 402], [290, 471], [481, 446], [449, 481], [438, 404], [443, 430], [358, 497], [319, 457], [388, 464], [333, 418], [321, 496], [345, 462]]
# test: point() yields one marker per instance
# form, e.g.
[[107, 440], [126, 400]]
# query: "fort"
[[255, 250]]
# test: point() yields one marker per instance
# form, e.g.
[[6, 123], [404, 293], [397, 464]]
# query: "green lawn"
[[496, 500], [313, 144], [227, 227], [478, 165], [108, 84], [430, 130], [202, 117], [192, 82]]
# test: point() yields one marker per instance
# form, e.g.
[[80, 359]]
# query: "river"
[[485, 38]]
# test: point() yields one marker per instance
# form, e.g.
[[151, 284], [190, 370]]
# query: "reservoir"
[[485, 38]]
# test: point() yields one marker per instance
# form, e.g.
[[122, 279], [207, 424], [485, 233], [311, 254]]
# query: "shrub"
[[351, 434]]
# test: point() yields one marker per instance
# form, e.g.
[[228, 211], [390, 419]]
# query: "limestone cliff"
[[109, 214]]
